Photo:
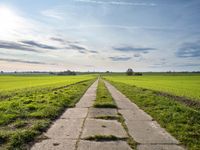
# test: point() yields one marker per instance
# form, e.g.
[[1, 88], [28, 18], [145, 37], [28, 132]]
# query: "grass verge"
[[103, 99], [182, 121], [25, 116]]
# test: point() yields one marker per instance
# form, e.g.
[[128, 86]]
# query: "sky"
[[99, 35]]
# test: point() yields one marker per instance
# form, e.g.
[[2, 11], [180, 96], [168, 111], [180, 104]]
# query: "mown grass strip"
[[108, 117], [24, 117], [103, 138], [181, 121], [103, 99]]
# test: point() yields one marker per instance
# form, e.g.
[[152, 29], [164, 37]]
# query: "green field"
[[180, 85], [28, 111], [11, 82]]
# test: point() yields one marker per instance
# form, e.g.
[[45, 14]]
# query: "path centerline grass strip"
[[103, 99]]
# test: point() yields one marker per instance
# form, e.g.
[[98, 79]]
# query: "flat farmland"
[[13, 82], [184, 85]]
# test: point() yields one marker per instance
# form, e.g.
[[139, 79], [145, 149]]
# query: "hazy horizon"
[[100, 35]]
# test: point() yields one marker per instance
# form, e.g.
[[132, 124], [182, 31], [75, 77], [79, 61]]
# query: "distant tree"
[[129, 72], [1, 72], [68, 72], [107, 71]]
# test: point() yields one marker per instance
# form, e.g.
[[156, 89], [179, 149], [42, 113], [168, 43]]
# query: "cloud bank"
[[133, 49], [189, 50]]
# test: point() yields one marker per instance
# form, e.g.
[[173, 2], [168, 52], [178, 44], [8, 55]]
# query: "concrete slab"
[[94, 127], [121, 100], [149, 132], [135, 115], [50, 144], [88, 98], [75, 113], [159, 147], [96, 112], [115, 145], [65, 129]]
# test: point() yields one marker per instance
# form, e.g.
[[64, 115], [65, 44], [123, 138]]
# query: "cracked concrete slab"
[[65, 129], [97, 112], [75, 113], [159, 147], [149, 132], [92, 145], [94, 127], [52, 144], [135, 115]]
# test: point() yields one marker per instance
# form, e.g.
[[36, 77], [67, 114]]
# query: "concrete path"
[[72, 130], [146, 132], [75, 128], [65, 132]]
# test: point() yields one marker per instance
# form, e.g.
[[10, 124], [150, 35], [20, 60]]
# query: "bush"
[[138, 74]]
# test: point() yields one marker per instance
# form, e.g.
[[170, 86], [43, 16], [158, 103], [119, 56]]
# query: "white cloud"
[[117, 3], [53, 14]]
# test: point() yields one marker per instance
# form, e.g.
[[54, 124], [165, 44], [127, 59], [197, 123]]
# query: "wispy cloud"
[[189, 50], [39, 45], [58, 39], [16, 46], [92, 51], [53, 14], [133, 49], [119, 58], [24, 61], [114, 2], [77, 47]]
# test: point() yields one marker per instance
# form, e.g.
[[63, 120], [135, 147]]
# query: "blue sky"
[[100, 35]]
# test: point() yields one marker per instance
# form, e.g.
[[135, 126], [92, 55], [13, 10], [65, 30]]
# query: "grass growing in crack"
[[107, 117], [26, 115], [104, 99], [103, 138], [129, 140], [183, 122]]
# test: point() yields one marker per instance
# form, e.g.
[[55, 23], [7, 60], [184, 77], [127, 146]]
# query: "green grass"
[[103, 138], [11, 82], [181, 121], [103, 98], [129, 140], [26, 114], [180, 85]]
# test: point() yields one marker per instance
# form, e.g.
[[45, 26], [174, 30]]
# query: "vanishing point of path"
[[73, 129]]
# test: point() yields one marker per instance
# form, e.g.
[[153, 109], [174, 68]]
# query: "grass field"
[[181, 120], [180, 85], [13, 82], [25, 113]]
